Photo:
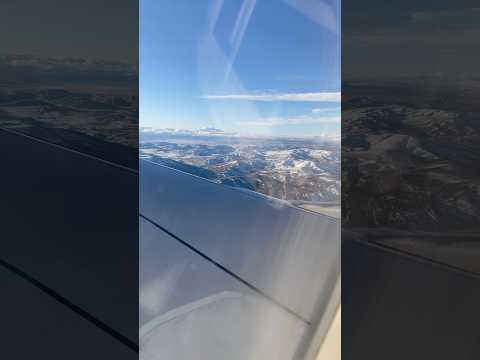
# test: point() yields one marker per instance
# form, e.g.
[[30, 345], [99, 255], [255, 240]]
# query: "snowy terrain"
[[304, 170]]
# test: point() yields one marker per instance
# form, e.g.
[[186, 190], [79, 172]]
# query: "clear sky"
[[267, 67]]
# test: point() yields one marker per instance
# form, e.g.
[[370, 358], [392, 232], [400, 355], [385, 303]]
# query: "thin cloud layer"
[[325, 110], [299, 97], [297, 120]]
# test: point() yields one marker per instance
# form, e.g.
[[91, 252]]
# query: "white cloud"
[[296, 120], [324, 110], [299, 97]]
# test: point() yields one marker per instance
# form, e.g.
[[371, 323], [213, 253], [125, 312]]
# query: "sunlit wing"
[[238, 274]]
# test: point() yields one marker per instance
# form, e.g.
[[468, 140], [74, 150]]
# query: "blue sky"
[[266, 67]]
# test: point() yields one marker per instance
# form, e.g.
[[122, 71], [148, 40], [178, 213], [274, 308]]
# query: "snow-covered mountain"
[[411, 167], [207, 131], [288, 169]]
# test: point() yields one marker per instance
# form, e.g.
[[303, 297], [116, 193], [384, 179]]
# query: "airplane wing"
[[226, 271], [64, 236], [241, 275]]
